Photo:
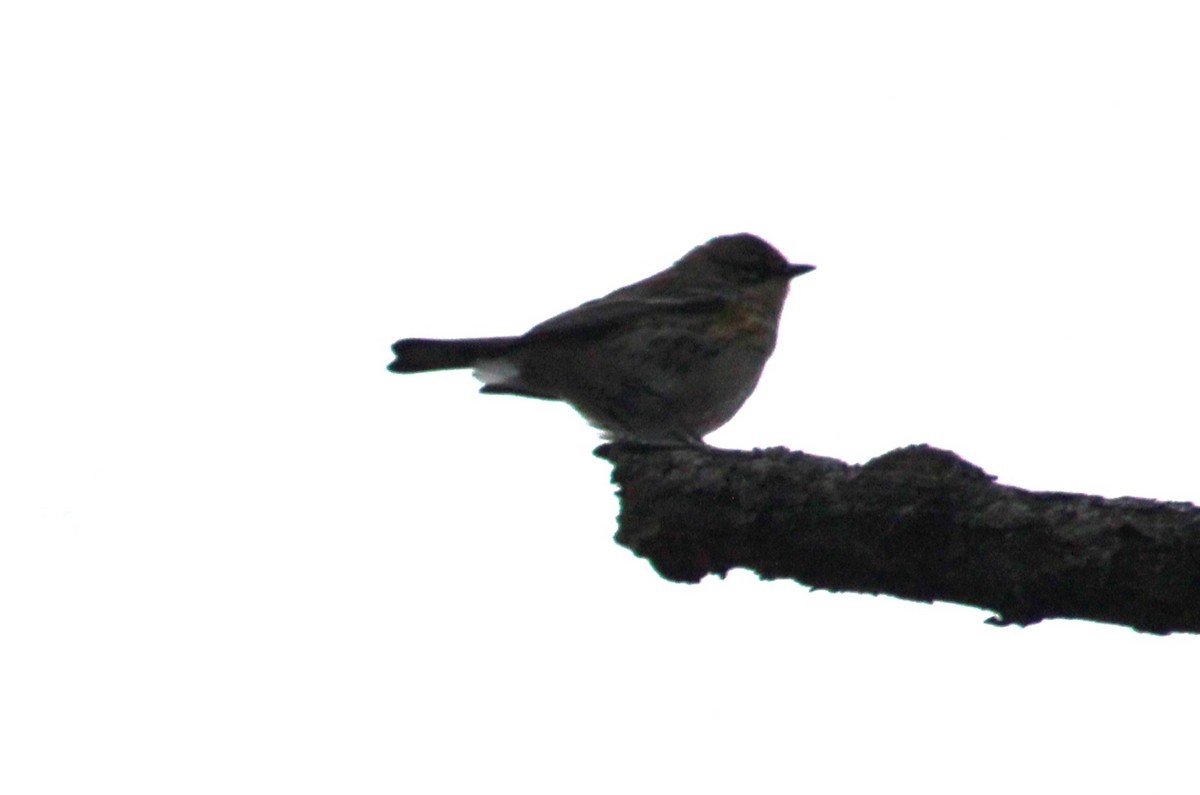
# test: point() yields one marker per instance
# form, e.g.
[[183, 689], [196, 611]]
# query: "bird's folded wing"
[[609, 314]]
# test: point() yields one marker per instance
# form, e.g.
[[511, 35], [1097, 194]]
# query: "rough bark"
[[917, 523]]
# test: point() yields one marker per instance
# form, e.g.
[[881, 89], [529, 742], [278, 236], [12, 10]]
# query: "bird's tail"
[[418, 356]]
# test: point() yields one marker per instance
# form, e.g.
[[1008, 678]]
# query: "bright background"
[[238, 556]]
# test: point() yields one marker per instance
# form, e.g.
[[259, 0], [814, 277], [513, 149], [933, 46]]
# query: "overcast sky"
[[238, 556]]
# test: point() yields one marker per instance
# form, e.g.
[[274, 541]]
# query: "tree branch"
[[918, 523]]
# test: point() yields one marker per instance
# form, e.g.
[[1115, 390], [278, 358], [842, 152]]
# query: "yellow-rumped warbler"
[[664, 360]]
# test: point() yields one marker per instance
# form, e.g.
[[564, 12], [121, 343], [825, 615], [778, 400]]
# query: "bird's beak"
[[798, 270]]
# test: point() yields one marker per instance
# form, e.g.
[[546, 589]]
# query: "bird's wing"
[[611, 313]]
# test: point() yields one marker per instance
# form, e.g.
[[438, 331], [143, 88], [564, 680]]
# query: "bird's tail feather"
[[418, 355]]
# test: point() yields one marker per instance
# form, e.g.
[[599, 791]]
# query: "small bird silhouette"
[[663, 361]]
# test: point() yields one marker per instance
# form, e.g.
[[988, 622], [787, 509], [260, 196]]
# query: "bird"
[[662, 361]]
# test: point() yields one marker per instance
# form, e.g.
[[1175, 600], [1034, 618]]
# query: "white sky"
[[238, 556]]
